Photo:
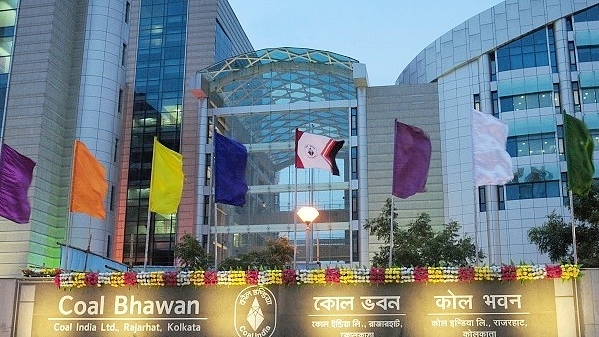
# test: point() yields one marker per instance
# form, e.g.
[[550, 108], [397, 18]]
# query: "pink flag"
[[16, 172]]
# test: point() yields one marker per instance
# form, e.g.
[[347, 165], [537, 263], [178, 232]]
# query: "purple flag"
[[411, 159], [230, 160], [16, 172]]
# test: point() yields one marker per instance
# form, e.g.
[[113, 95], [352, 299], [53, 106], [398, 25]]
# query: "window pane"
[[552, 189], [548, 143], [545, 100], [511, 147], [523, 149], [525, 191], [532, 101], [512, 192], [519, 102], [588, 95], [516, 62], [538, 190], [528, 60], [507, 104], [535, 144]]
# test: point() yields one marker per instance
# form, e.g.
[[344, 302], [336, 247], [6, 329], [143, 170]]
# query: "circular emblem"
[[311, 151], [255, 312]]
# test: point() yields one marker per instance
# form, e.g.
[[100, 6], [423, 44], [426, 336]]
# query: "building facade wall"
[[415, 105], [197, 47], [470, 67], [99, 114], [40, 123]]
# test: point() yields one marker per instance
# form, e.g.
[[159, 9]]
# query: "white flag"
[[316, 151], [492, 165]]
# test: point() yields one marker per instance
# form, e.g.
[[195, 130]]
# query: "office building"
[[116, 75]]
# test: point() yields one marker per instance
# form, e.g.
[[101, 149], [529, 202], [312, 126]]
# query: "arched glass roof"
[[280, 76]]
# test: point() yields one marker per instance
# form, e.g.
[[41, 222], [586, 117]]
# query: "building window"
[[530, 145], [569, 26], [354, 205], [552, 57], [477, 102], [595, 135], [572, 53], [112, 198], [590, 95], [124, 54], [222, 44], [127, 11], [589, 14], [565, 194], [116, 150], [354, 162], [529, 51], [108, 245], [482, 200], [588, 53], [556, 99], [493, 66], [576, 96], [495, 103], [560, 141], [527, 101], [500, 198], [354, 121], [120, 102], [537, 183], [542, 189]]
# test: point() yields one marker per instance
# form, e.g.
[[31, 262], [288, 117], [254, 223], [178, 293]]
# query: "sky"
[[383, 34]]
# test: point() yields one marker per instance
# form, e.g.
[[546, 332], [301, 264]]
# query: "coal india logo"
[[255, 312], [311, 151]]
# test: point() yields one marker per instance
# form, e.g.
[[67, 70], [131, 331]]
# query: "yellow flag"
[[166, 183]]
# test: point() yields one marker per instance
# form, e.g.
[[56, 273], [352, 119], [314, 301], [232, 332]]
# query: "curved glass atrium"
[[259, 99]]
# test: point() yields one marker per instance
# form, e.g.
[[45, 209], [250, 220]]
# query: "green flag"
[[579, 155]]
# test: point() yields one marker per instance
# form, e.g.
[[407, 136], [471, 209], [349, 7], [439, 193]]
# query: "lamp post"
[[308, 214]]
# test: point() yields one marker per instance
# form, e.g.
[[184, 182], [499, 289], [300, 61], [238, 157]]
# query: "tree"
[[277, 254], [420, 244], [191, 254], [554, 238]]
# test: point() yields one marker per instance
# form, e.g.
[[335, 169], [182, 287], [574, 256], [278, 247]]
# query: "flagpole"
[[215, 237], [68, 230], [213, 196], [476, 246], [391, 233], [574, 249], [488, 220], [295, 224], [147, 247]]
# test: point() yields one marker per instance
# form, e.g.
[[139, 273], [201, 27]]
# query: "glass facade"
[[223, 45], [529, 51], [8, 16], [280, 90], [527, 101], [158, 103], [589, 14]]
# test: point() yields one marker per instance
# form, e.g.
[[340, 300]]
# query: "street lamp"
[[308, 214]]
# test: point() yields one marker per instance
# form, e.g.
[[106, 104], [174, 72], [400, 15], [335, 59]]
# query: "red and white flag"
[[315, 151]]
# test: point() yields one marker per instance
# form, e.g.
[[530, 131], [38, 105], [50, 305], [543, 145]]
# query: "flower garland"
[[288, 277]]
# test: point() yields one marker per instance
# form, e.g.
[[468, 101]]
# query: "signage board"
[[477, 309]]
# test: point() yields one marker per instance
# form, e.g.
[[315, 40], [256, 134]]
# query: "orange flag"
[[89, 186]]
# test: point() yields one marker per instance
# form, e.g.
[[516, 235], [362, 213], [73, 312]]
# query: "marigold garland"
[[289, 277]]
